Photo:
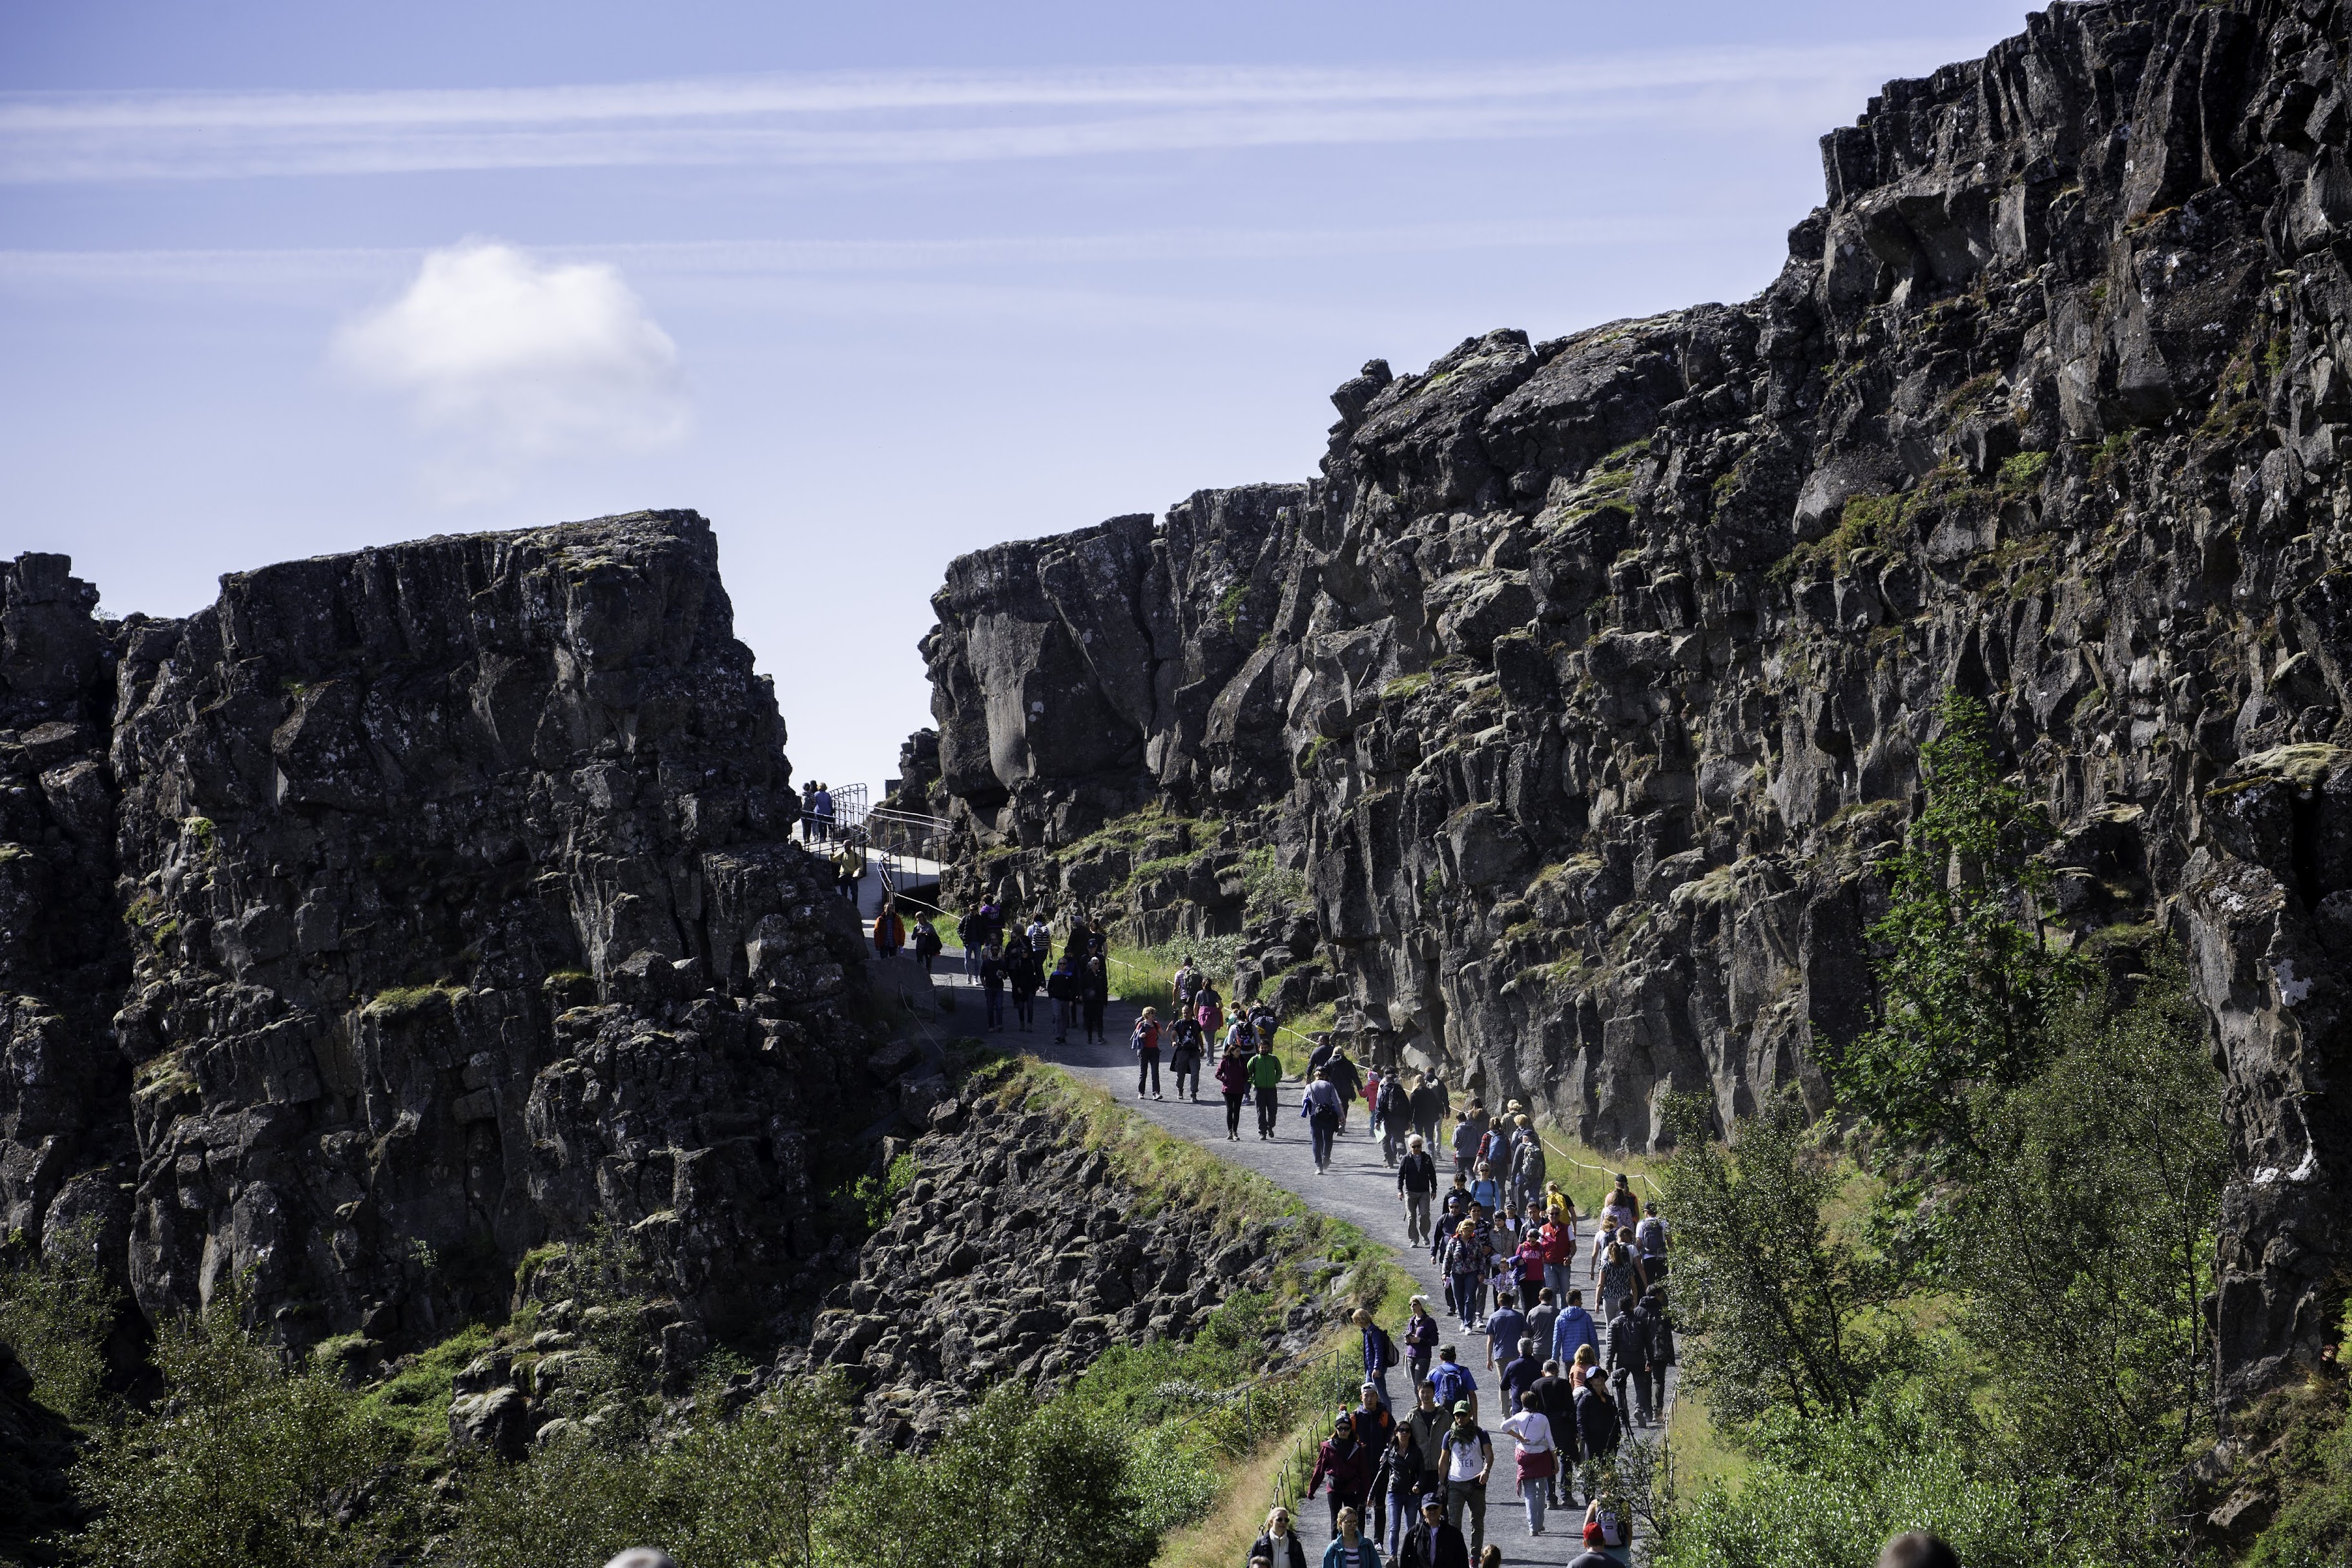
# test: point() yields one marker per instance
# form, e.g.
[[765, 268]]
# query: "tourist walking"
[[1062, 990], [1619, 1280], [1431, 1106], [1324, 1109], [889, 931], [1399, 1481], [1505, 1326], [1232, 1078], [927, 945], [1093, 997], [821, 805], [1598, 1426], [1650, 1243], [1465, 1264], [1658, 1332], [1629, 1363], [1469, 1460], [1279, 1545], [1145, 1044], [849, 870], [992, 985], [1380, 1353], [1420, 1340], [1538, 1456], [1435, 1543], [1393, 1118], [1265, 1077], [1346, 1464], [1349, 1549], [1184, 1056], [1575, 1330], [1025, 971], [1555, 1397], [1416, 1189], [1348, 1078]]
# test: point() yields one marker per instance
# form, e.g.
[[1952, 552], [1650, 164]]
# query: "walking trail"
[[1359, 1187]]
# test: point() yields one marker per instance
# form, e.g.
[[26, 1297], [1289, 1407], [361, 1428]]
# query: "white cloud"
[[507, 362]]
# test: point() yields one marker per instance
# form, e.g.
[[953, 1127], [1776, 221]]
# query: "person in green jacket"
[[1264, 1073]]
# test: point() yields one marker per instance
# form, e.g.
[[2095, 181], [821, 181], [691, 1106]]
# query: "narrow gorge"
[[1553, 734]]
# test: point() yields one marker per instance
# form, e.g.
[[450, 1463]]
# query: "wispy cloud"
[[507, 361], [913, 118], [799, 258]]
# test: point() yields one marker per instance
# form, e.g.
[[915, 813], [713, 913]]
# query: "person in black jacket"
[[1279, 1545], [1430, 1105], [1629, 1361], [1660, 1329], [1416, 1188], [1025, 968], [1597, 1425], [1348, 1078], [1433, 1544], [1093, 995], [1062, 986]]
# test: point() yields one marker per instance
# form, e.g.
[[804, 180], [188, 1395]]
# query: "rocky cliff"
[[408, 909], [1550, 733]]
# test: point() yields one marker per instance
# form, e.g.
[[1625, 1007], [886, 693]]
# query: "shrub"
[[55, 1311], [238, 1463]]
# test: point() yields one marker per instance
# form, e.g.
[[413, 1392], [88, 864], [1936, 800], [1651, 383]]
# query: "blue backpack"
[[1450, 1383]]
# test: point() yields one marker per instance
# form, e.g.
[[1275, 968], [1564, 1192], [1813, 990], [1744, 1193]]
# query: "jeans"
[[1379, 1381], [1658, 1392], [1324, 1130], [1556, 1276], [971, 961], [995, 1008], [1024, 1007], [1471, 1495], [1467, 1289], [1189, 1074], [1535, 1491], [1391, 1140], [1065, 1012], [1268, 1102], [1416, 1217], [1234, 1114], [1403, 1512], [1146, 1071], [1338, 1502]]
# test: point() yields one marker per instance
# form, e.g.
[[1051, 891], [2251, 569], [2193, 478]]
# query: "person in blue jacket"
[[1573, 1327]]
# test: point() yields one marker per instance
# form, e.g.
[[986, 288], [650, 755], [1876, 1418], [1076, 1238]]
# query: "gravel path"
[[1359, 1187]]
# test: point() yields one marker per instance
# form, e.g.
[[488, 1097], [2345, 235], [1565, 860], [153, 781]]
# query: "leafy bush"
[[744, 1493], [238, 1463], [55, 1311]]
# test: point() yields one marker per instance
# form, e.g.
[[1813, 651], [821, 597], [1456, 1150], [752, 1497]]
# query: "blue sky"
[[869, 287]]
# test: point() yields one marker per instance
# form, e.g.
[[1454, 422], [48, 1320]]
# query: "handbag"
[[1539, 1464]]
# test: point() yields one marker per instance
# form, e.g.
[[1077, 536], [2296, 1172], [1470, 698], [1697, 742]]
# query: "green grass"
[[1701, 1454], [1229, 606], [414, 1399], [399, 1001]]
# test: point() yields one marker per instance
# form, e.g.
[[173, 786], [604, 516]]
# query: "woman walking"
[[1539, 1457], [1062, 989], [1348, 1464], [1145, 1043], [927, 941], [889, 931], [1279, 1545], [991, 983], [1232, 1078], [1184, 1058], [1349, 1549]]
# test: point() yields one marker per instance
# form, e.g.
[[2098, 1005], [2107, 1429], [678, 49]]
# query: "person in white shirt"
[[1538, 1457]]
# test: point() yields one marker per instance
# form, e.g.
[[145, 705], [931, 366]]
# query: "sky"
[[869, 287]]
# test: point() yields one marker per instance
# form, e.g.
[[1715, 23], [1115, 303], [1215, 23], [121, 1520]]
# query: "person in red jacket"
[[1348, 1464]]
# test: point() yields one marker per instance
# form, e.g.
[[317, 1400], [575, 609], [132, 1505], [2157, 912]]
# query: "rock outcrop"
[[405, 911], [1018, 1252], [1551, 732]]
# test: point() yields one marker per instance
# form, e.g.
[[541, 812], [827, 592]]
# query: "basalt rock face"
[[1019, 1252], [405, 911], [1580, 692]]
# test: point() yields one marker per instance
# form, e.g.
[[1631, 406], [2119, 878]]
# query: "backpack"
[[1449, 1382], [1611, 1532], [1387, 1346], [1650, 1237]]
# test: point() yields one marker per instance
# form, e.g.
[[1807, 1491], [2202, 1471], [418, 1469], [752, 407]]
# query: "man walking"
[[1430, 1105], [1416, 1189], [1469, 1460], [1324, 1110], [1265, 1079]]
